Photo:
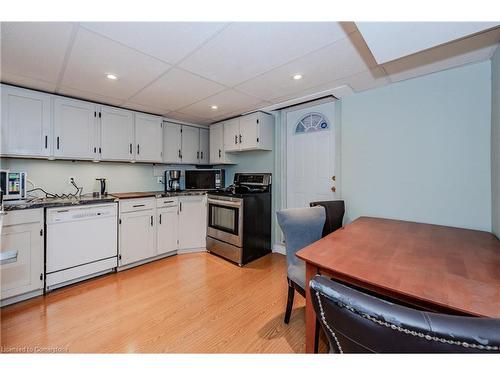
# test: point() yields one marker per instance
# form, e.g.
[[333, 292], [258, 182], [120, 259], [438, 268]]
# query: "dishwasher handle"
[[7, 257]]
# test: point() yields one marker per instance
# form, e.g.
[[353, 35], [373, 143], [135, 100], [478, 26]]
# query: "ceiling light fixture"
[[111, 76], [297, 76], [214, 107]]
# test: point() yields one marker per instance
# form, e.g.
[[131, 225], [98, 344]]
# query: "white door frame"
[[281, 161]]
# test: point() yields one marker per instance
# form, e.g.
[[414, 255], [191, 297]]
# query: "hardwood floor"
[[193, 303]]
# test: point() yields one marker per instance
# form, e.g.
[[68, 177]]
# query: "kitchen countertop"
[[157, 194], [56, 202]]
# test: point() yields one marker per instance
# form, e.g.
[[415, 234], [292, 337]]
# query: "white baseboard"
[[279, 248], [194, 250]]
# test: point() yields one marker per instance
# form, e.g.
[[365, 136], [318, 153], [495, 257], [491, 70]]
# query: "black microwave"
[[204, 179]]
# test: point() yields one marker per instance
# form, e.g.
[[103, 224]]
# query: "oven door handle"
[[224, 203]]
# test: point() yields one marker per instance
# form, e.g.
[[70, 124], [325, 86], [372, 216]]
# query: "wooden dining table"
[[429, 267]]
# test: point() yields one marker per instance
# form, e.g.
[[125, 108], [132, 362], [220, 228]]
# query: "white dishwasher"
[[81, 243]]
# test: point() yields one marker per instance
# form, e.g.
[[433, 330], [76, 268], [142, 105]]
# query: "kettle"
[[103, 185]]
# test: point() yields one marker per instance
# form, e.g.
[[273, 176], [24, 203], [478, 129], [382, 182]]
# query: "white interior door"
[[310, 161]]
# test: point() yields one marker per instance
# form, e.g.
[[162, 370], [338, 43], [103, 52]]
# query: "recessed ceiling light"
[[214, 107], [111, 76], [297, 76]]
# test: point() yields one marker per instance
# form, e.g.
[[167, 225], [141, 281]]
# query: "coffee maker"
[[172, 180]]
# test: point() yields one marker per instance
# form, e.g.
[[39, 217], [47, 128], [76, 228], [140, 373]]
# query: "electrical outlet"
[[159, 180], [71, 179]]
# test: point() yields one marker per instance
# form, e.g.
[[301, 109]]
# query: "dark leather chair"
[[355, 322], [334, 215]]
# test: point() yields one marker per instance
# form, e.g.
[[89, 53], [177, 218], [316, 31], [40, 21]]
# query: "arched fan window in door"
[[312, 122]]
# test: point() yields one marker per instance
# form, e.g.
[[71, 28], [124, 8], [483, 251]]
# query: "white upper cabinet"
[[75, 135], [217, 150], [190, 145], [172, 143], [231, 134], [250, 132], [148, 138], [26, 123], [204, 146], [116, 134]]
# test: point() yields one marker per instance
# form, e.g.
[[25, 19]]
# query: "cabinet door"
[[137, 236], [204, 146], [117, 134], [192, 222], [74, 129], [25, 122], [22, 250], [148, 138], [190, 145], [231, 135], [249, 131], [172, 143], [216, 143], [167, 229]]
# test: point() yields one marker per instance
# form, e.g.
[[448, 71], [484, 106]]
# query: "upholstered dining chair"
[[355, 322], [334, 215], [301, 227]]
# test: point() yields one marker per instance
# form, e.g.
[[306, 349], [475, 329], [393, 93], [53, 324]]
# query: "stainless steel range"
[[239, 218]]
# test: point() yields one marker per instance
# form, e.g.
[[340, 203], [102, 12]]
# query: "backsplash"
[[53, 175]]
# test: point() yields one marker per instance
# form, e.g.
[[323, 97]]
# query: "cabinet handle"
[[160, 219], [151, 220], [240, 138], [130, 148], [138, 149], [180, 206], [197, 154], [46, 141], [180, 154], [235, 139], [100, 150], [95, 150], [58, 143], [168, 202], [201, 155], [138, 205], [219, 153]]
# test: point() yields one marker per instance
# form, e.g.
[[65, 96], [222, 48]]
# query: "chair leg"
[[316, 336], [289, 303]]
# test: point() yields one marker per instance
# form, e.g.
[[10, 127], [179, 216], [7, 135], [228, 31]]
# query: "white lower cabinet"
[[21, 267], [137, 231], [192, 222], [167, 217]]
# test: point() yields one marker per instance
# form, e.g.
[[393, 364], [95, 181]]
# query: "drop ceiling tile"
[[85, 95], [228, 102], [143, 108], [93, 56], [168, 41], [34, 49], [341, 59], [30, 83], [188, 118], [177, 89], [244, 50], [473, 49]]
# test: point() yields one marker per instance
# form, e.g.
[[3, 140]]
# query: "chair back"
[[355, 322], [334, 215], [301, 227]]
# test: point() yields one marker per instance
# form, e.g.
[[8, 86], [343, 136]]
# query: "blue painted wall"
[[420, 149], [495, 142]]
